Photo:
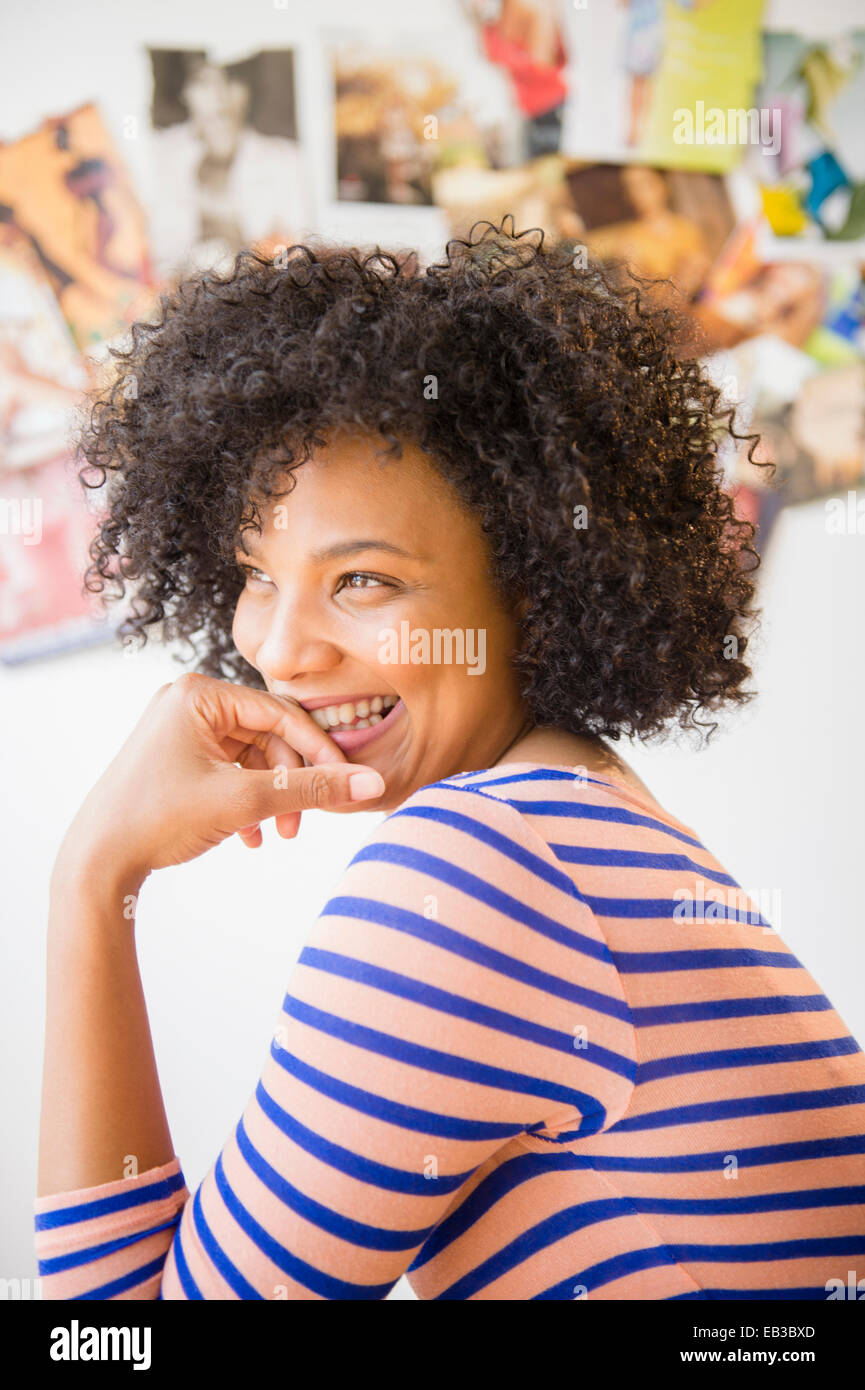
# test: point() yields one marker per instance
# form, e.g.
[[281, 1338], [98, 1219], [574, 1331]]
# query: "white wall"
[[777, 797]]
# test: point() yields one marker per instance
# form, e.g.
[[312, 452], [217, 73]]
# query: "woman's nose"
[[294, 646]]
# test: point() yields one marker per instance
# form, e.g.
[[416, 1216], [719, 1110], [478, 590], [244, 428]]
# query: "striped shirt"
[[538, 1045]]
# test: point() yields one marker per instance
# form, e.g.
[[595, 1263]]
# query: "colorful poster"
[[817, 440], [42, 374], [811, 188], [745, 295], [46, 520], [45, 530], [810, 421], [525, 40], [666, 82], [65, 188]]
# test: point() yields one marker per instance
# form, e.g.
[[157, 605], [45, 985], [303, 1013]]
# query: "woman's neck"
[[540, 744]]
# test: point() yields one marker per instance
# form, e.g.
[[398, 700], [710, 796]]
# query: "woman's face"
[[369, 586]]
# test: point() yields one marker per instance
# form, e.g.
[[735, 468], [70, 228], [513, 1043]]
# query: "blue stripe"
[[435, 934], [442, 1064], [58, 1263], [609, 814], [662, 1014], [608, 1270], [803, 1199], [758, 1156], [102, 1206], [710, 1111], [214, 1251], [674, 910], [761, 1056], [355, 1165], [656, 962], [770, 1295], [541, 775], [807, 1248], [369, 1102], [122, 1284], [442, 871], [455, 1006], [496, 1185], [530, 1242], [184, 1273], [638, 859], [299, 1270], [356, 1232], [486, 835], [547, 775]]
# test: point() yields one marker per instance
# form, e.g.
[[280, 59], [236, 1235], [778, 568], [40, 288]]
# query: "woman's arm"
[[102, 1112], [429, 1022], [172, 792]]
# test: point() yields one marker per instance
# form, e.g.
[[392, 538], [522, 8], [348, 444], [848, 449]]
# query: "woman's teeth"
[[354, 716]]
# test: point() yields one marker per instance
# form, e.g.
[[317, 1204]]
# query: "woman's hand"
[[175, 790]]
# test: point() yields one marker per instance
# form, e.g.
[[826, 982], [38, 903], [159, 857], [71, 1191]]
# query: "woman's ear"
[[521, 609], [518, 613]]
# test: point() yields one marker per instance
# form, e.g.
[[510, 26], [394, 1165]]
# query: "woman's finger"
[[275, 753], [252, 797], [250, 756], [270, 751], [280, 758], [237, 712], [287, 825]]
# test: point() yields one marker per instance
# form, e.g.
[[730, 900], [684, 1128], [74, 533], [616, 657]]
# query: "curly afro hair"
[[551, 396]]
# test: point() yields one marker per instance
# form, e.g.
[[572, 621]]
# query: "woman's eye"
[[257, 576], [367, 581]]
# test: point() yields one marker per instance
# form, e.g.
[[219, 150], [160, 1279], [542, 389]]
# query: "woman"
[[539, 1044]]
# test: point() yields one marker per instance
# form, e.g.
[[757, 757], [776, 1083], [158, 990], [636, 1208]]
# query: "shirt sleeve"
[[453, 993]]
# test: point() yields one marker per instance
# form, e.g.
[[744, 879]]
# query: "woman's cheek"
[[242, 633], [384, 643]]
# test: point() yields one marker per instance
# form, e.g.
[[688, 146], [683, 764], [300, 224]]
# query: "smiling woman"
[[538, 1026], [317, 632]]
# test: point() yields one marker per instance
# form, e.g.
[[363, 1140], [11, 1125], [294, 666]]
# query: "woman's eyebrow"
[[335, 552]]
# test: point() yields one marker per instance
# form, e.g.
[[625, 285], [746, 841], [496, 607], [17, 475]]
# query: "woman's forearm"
[[103, 1116], [173, 791]]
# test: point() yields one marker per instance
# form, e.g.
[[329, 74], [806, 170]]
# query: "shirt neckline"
[[646, 801]]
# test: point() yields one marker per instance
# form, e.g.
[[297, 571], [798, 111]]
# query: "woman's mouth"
[[354, 723]]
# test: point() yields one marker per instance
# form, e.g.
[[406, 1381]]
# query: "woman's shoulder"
[[536, 802], [467, 845]]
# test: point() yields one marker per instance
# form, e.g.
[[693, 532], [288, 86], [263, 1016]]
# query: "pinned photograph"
[[228, 156], [405, 112]]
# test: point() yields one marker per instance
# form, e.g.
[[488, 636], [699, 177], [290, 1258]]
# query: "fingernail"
[[363, 785]]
